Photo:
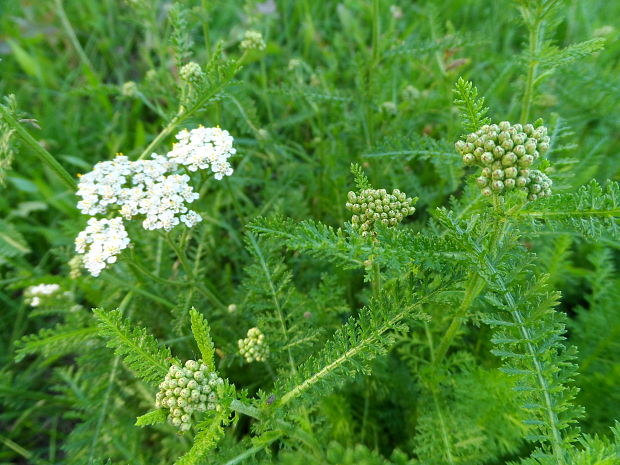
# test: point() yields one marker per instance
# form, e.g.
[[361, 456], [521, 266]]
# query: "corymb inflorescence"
[[372, 206], [253, 347], [157, 191], [506, 152], [188, 389]]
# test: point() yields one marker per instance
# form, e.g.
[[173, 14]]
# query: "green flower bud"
[[509, 184], [511, 172], [509, 159], [526, 161], [482, 181], [519, 138], [497, 186], [469, 159], [487, 158], [508, 144], [498, 174], [519, 150]]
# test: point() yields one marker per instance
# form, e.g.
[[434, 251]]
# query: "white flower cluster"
[[187, 390], [151, 189], [101, 242], [35, 295], [203, 148], [254, 347]]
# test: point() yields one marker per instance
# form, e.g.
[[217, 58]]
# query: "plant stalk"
[[43, 155]]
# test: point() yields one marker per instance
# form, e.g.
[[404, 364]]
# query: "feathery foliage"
[[478, 330]]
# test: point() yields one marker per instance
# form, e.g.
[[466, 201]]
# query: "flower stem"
[[46, 157], [535, 39]]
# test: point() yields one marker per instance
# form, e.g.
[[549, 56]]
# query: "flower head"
[[37, 295], [372, 206], [252, 40], [191, 72], [253, 347], [506, 152], [204, 148], [101, 242], [188, 389]]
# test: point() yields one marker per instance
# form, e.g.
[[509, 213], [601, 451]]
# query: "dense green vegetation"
[[480, 327]]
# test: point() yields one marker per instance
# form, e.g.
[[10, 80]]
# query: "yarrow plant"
[[380, 331], [204, 148], [155, 190]]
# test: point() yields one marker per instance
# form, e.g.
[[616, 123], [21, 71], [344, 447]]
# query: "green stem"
[[36, 148], [376, 279], [205, 27], [183, 113], [245, 409], [472, 289], [536, 34]]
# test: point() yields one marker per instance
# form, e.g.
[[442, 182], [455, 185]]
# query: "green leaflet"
[[201, 331], [139, 349]]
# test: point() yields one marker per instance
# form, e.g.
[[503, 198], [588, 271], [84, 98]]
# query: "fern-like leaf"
[[592, 211], [207, 439], [353, 346], [55, 341], [202, 335], [152, 418], [473, 112], [139, 349]]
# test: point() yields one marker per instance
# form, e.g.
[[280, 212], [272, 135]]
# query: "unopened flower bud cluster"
[[155, 190], [252, 40], [506, 152], [253, 347], [188, 389], [373, 206], [191, 73], [40, 294], [538, 185]]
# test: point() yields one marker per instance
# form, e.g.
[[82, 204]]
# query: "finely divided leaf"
[[202, 334], [139, 349], [152, 418]]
